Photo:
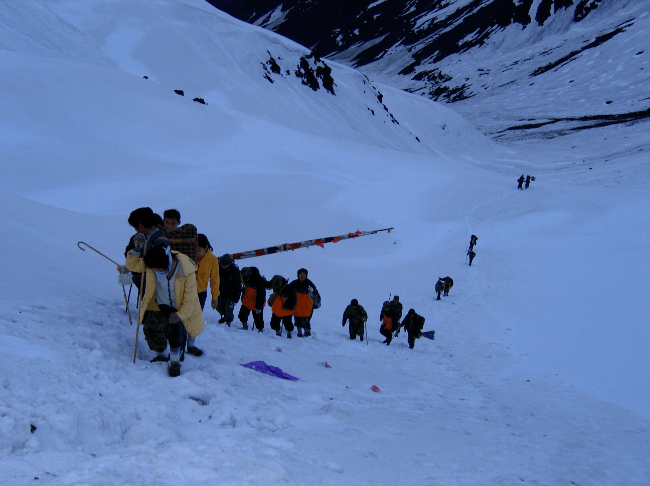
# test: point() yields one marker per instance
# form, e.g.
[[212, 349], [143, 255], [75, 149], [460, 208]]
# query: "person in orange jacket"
[[283, 303], [307, 299], [253, 297], [389, 322]]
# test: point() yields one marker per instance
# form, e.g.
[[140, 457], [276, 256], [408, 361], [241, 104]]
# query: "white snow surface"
[[539, 373]]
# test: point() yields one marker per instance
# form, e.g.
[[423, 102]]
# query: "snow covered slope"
[[537, 371], [515, 68]]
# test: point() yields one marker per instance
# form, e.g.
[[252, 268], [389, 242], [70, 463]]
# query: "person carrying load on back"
[[413, 323], [182, 238], [357, 316], [308, 299], [208, 273], [389, 322], [282, 302], [253, 298], [147, 236], [229, 289], [521, 182]]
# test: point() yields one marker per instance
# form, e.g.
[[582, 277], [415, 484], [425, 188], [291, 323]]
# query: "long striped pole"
[[304, 244]]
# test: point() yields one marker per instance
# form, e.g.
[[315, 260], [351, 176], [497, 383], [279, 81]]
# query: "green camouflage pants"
[[157, 331]]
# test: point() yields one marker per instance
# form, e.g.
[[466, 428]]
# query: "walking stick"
[[365, 328], [126, 302], [141, 299]]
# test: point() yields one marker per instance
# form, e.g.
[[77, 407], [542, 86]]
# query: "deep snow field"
[[539, 373]]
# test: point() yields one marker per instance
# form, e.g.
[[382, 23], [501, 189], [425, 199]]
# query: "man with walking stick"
[[357, 316]]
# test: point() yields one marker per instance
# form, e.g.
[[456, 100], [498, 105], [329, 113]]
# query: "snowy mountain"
[[539, 366], [514, 68]]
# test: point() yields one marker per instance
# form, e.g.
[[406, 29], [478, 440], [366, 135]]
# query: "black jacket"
[[230, 283]]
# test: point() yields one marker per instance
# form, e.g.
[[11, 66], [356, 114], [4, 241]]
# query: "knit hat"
[[303, 270], [225, 259], [354, 302]]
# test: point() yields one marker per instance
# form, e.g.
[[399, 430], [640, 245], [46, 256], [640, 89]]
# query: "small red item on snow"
[[326, 365], [278, 350], [375, 389]]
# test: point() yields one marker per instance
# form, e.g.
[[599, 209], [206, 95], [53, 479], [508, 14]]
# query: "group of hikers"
[[171, 266], [521, 181]]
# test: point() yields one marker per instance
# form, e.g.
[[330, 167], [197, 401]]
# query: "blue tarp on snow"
[[262, 367]]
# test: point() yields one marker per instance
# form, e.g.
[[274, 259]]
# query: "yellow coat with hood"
[[187, 298]]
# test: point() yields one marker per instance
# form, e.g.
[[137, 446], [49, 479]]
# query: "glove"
[[173, 318], [214, 303], [125, 279], [122, 269], [138, 241]]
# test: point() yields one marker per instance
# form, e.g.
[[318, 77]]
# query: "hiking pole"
[[141, 300], [126, 302], [365, 328]]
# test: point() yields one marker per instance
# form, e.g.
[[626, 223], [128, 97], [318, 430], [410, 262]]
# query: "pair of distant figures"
[[527, 180]]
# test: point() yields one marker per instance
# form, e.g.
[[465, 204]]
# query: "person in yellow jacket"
[[208, 272], [170, 288]]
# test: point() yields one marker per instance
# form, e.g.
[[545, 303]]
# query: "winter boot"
[[288, 335], [222, 320], [174, 369], [194, 351], [244, 326], [307, 333], [278, 333]]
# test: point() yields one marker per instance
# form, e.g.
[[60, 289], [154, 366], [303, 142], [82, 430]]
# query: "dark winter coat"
[[391, 314], [258, 284], [288, 296], [355, 314], [306, 299], [413, 323], [230, 283]]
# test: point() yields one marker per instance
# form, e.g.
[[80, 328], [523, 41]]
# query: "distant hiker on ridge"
[[521, 182], [472, 242], [527, 181]]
